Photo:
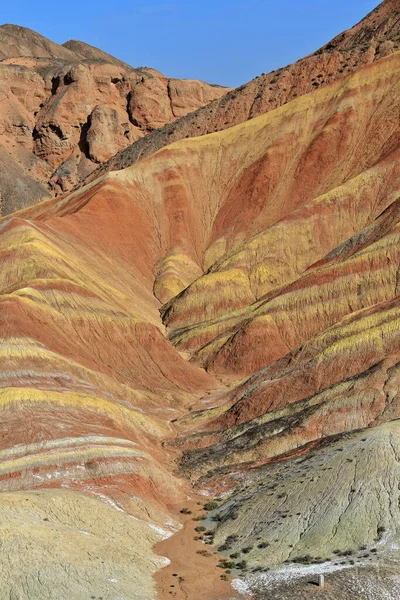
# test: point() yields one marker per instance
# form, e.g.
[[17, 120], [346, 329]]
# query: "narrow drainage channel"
[[193, 573]]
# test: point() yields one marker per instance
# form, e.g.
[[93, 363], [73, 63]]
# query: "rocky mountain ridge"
[[64, 112], [376, 36]]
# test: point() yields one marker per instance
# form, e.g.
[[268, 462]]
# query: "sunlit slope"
[[337, 506], [88, 384], [370, 40], [230, 201], [328, 170], [336, 329], [257, 205], [359, 274], [341, 380], [274, 248]]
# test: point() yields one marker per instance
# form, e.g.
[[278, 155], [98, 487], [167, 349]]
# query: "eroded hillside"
[[66, 109], [375, 37], [270, 250]]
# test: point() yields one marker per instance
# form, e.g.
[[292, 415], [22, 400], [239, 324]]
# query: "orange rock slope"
[[271, 250], [66, 109]]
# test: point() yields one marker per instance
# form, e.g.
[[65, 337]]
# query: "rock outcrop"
[[224, 312], [66, 109]]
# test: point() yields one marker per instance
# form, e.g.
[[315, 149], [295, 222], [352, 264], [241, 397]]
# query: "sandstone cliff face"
[[66, 109]]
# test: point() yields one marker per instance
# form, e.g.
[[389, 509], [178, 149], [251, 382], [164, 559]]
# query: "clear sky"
[[220, 41]]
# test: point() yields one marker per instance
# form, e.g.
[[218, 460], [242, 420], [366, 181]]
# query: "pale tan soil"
[[196, 576]]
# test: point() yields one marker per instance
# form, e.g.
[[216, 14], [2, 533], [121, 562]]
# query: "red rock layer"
[[62, 113]]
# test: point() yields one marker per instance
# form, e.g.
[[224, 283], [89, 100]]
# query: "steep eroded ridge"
[[375, 37]]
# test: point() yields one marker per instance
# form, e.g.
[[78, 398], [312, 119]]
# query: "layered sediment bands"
[[345, 283], [292, 225], [274, 248], [180, 211], [88, 383], [343, 379], [80, 294], [375, 37]]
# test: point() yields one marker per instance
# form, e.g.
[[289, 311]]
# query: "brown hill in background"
[[21, 41], [86, 51], [64, 110]]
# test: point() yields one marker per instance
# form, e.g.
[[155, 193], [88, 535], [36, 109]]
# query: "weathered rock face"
[[20, 41], [105, 135], [321, 510], [272, 250], [65, 109], [373, 38]]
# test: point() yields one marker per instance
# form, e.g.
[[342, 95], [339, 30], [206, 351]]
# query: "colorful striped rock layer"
[[220, 318]]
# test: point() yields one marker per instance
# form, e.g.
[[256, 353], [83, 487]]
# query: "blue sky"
[[220, 41]]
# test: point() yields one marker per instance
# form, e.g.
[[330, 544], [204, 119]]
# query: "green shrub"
[[211, 505], [204, 552], [226, 564], [186, 511], [217, 517], [381, 530]]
